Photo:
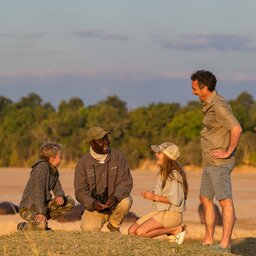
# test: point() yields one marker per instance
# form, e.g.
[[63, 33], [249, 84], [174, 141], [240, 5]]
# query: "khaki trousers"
[[94, 221]]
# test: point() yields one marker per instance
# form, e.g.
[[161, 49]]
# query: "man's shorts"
[[216, 182]]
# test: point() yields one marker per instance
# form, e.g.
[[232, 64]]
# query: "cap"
[[168, 148], [96, 133]]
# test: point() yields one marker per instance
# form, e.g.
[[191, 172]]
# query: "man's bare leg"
[[209, 214], [228, 217]]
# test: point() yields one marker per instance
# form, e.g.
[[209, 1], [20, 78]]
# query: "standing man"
[[219, 139], [103, 183]]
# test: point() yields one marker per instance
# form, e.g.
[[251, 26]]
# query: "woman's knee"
[[131, 231], [132, 228], [140, 232]]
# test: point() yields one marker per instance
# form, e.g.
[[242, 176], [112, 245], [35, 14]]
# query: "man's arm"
[[82, 189], [124, 182], [235, 134]]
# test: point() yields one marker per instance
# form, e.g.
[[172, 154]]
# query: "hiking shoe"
[[111, 228], [179, 238], [218, 248], [22, 226]]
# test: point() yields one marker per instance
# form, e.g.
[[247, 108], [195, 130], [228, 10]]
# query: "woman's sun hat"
[[169, 149]]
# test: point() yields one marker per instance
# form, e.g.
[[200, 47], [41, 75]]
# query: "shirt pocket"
[[209, 121], [113, 171], [90, 177]]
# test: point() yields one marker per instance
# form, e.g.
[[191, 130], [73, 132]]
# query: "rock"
[[8, 208], [73, 215], [130, 218]]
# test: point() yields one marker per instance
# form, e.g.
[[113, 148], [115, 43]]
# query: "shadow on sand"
[[244, 246]]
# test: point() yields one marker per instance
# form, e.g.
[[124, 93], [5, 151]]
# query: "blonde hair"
[[167, 172], [49, 149]]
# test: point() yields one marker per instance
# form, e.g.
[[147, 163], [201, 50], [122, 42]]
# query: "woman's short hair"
[[49, 149]]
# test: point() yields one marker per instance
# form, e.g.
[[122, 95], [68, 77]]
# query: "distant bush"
[[27, 123]]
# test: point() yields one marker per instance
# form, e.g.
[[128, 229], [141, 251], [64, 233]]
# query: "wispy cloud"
[[117, 76], [209, 42], [39, 53], [28, 36], [99, 34]]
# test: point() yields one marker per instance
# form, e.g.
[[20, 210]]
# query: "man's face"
[[100, 146], [201, 93]]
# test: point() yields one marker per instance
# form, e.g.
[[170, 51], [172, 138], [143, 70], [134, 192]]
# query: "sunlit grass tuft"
[[55, 243]]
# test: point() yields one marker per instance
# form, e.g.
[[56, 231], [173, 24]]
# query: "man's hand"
[[220, 154], [96, 205], [111, 202], [59, 200]]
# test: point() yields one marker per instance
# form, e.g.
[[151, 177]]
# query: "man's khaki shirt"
[[218, 121]]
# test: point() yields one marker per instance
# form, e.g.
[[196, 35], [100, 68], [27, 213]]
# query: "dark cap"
[[96, 133]]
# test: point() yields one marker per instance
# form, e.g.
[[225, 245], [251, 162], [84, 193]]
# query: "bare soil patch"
[[13, 180]]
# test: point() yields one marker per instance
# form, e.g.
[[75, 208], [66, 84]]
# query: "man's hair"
[[205, 78], [49, 149]]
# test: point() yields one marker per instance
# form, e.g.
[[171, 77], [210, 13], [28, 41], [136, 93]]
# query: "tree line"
[[27, 123]]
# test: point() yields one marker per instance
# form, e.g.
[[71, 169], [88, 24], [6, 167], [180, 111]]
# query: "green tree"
[[112, 115], [243, 107], [148, 125], [4, 102], [186, 125]]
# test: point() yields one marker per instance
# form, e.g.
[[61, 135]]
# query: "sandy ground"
[[13, 180]]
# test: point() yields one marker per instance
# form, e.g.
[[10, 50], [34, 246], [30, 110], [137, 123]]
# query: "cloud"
[[33, 36], [132, 77], [92, 88], [29, 36], [209, 42], [99, 34]]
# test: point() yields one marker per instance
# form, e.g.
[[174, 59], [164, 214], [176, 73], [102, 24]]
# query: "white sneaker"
[[179, 238]]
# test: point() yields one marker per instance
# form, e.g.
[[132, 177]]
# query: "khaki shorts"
[[167, 218], [216, 182]]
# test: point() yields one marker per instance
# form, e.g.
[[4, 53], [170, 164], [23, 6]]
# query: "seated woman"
[[169, 197]]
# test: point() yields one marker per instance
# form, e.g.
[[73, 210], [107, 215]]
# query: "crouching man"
[[103, 183]]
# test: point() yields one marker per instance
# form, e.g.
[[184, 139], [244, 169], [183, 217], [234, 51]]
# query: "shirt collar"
[[210, 99]]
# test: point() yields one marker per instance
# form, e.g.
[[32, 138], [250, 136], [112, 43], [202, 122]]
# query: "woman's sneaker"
[[179, 238]]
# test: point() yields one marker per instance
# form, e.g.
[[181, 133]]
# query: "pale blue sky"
[[143, 51]]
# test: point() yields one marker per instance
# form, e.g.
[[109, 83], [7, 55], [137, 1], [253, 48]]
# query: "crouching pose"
[[103, 183], [168, 198], [37, 205]]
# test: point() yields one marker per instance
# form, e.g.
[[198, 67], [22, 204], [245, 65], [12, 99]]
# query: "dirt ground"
[[13, 180]]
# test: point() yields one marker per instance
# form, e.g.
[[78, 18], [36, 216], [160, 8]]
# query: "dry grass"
[[55, 243], [67, 239]]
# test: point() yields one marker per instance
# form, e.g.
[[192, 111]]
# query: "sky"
[[143, 51]]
